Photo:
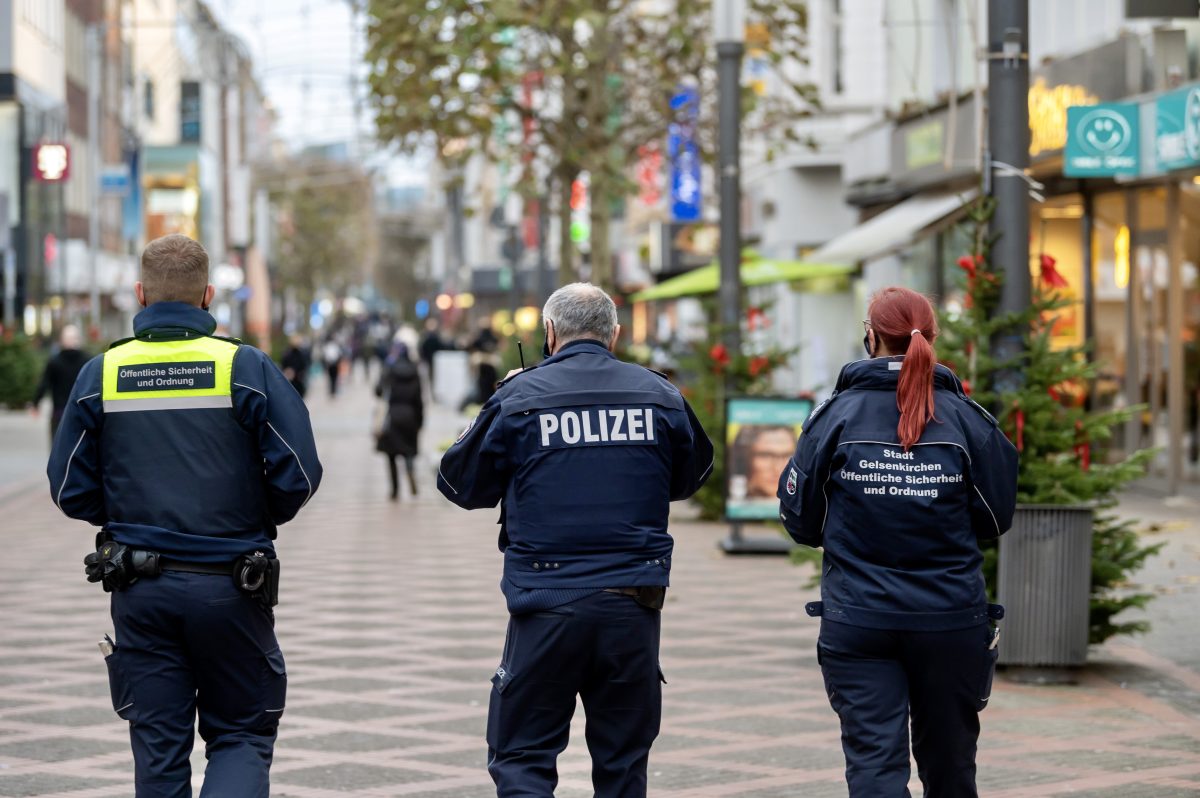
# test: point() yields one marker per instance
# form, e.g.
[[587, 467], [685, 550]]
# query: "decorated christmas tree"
[[1063, 445], [707, 368]]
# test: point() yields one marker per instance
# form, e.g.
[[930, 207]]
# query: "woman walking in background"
[[400, 388]]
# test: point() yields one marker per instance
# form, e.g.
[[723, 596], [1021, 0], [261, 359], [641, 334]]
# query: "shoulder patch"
[[507, 380], [466, 430], [816, 411], [982, 411]]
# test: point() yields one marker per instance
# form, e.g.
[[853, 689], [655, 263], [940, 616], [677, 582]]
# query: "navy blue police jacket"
[[201, 484], [900, 530], [584, 453]]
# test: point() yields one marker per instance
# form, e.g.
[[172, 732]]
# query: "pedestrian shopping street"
[[392, 624]]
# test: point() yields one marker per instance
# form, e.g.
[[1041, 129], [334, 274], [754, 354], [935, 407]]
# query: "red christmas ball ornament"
[[719, 355]]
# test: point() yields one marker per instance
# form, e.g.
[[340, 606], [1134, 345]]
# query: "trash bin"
[[1045, 577]]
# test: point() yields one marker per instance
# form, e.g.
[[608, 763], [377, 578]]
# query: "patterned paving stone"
[[391, 622], [56, 749], [349, 777], [350, 741], [677, 776], [80, 716], [1148, 791], [19, 785]]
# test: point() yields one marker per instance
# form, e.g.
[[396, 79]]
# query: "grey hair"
[[581, 310]]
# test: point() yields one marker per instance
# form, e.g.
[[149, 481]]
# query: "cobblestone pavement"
[[392, 623]]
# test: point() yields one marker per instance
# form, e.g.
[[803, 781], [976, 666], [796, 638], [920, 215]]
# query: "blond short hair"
[[174, 269]]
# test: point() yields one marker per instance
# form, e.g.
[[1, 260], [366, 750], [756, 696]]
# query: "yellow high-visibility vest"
[[187, 374]]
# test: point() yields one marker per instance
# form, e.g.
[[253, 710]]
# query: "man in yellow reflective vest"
[[187, 450]]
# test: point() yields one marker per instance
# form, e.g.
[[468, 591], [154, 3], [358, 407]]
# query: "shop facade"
[[1123, 233]]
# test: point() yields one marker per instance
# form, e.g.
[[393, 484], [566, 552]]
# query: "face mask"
[[867, 344], [545, 342]]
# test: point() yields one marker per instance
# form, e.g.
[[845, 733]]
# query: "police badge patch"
[[466, 430], [792, 479]]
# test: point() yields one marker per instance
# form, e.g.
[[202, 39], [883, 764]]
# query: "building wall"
[[801, 208], [159, 66], [38, 32], [930, 49], [1066, 27]]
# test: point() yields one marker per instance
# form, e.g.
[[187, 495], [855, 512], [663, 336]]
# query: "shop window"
[[1111, 264], [1056, 262]]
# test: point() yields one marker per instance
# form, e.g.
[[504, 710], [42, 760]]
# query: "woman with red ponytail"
[[898, 476]]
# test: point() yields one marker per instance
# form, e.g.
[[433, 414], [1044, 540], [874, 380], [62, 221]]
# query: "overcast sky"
[[308, 56]]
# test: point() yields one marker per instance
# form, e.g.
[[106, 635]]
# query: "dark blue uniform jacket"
[[585, 452], [900, 530], [203, 485]]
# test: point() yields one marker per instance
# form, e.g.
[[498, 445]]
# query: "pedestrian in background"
[[584, 454], [332, 354], [400, 388], [59, 375], [296, 363], [484, 362], [431, 343], [899, 476], [188, 451]]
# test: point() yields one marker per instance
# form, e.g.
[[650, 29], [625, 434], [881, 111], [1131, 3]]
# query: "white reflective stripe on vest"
[[167, 403]]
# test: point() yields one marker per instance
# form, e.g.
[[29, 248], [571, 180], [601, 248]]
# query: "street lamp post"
[[1008, 142], [729, 32], [95, 43]]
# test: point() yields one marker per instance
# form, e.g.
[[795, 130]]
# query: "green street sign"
[[1177, 138], [1102, 140]]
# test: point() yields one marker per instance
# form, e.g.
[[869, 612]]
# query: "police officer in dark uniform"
[[899, 476], [584, 453], [188, 450]]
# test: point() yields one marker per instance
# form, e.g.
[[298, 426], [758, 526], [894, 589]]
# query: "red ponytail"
[[904, 321]]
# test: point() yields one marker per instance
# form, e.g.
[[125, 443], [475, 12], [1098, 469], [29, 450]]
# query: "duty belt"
[[117, 566], [211, 568]]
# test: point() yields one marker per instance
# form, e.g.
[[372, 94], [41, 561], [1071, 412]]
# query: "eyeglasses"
[[866, 324]]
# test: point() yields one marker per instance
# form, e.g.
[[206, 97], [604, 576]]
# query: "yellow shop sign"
[[1048, 113]]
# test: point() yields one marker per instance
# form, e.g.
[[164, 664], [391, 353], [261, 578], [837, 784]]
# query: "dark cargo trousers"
[[603, 648], [189, 643], [876, 678]]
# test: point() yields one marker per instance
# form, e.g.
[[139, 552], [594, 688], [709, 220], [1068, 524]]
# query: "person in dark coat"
[[899, 476], [296, 363], [400, 387], [59, 376]]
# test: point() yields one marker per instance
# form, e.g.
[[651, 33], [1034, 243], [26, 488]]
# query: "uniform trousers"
[[194, 643], [877, 679], [602, 648]]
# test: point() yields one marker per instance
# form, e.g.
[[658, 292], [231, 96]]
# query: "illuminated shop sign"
[[1177, 133], [1102, 140], [52, 162], [1048, 113]]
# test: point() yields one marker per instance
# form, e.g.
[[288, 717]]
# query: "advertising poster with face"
[[760, 437]]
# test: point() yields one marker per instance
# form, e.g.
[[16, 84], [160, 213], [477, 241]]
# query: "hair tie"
[[914, 332]]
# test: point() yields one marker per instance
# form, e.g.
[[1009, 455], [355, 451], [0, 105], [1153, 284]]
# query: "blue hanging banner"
[[684, 155]]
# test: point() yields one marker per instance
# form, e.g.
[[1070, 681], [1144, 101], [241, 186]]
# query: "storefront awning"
[[757, 271], [894, 228]]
